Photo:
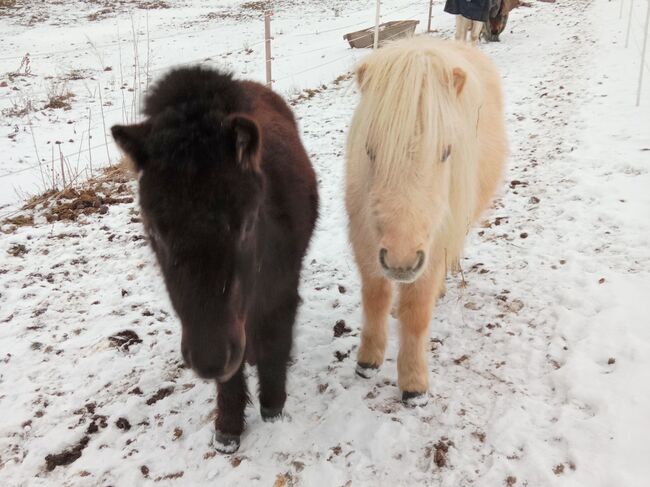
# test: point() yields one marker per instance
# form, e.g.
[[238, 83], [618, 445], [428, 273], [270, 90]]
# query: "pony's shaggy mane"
[[186, 108], [410, 113], [195, 86]]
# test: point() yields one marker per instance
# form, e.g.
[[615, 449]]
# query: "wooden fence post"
[[430, 12]]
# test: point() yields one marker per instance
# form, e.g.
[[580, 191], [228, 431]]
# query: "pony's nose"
[[404, 273], [220, 364]]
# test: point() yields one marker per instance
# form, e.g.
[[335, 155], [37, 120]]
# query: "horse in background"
[[425, 153], [471, 16], [498, 19], [229, 201]]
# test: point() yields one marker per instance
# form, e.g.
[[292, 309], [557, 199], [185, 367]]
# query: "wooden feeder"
[[388, 31]]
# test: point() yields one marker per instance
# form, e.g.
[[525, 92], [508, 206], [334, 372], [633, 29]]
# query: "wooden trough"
[[388, 31]]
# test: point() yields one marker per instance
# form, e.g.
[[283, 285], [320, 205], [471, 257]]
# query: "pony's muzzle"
[[402, 274], [219, 364]]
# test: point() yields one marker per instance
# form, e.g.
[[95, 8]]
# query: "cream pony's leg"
[[416, 304], [377, 295], [476, 31], [461, 28]]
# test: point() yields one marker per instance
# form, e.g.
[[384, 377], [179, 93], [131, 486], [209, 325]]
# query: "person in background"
[[470, 16]]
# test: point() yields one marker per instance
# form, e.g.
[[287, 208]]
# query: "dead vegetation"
[[19, 108], [96, 195], [58, 96]]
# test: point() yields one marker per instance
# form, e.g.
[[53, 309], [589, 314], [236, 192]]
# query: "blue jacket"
[[470, 9]]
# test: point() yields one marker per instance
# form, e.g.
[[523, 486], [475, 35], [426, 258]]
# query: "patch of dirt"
[[124, 339], [341, 329], [20, 221], [440, 452], [67, 456], [160, 394], [460, 359], [170, 476], [123, 424], [340, 356], [17, 250], [309, 93]]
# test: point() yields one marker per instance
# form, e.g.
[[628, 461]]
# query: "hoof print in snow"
[[366, 371], [415, 399], [225, 443]]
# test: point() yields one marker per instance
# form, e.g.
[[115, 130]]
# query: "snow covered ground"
[[540, 357]]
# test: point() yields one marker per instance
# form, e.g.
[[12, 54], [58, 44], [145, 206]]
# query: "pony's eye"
[[446, 153], [370, 153]]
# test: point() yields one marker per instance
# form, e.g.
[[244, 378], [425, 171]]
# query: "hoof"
[[367, 371], [225, 443], [415, 399], [271, 415]]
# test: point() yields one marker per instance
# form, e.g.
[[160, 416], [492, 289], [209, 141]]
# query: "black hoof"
[[367, 371], [225, 443], [271, 415], [415, 398]]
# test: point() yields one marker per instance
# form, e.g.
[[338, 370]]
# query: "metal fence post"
[[629, 24], [267, 43], [376, 42], [643, 51]]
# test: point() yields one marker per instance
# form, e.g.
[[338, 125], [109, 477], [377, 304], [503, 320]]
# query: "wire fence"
[[136, 71], [637, 32]]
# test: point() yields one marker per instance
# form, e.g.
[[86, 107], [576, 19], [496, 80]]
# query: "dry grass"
[[19, 108], [96, 195], [58, 96]]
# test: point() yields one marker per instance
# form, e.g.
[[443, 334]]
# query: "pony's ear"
[[361, 73], [131, 139], [245, 137], [459, 77]]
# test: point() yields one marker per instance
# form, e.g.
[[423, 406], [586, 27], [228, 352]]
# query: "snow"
[[540, 352]]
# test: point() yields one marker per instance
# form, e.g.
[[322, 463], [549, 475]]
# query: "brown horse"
[[229, 200], [497, 19], [426, 151]]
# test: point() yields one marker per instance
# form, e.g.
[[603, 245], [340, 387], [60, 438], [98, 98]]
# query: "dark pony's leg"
[[272, 348], [232, 397]]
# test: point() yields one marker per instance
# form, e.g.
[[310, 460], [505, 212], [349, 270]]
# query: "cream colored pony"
[[426, 151]]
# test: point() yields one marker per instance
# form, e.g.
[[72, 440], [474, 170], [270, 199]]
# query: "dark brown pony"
[[229, 201]]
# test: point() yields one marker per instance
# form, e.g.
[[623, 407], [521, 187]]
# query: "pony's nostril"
[[382, 259], [420, 261]]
